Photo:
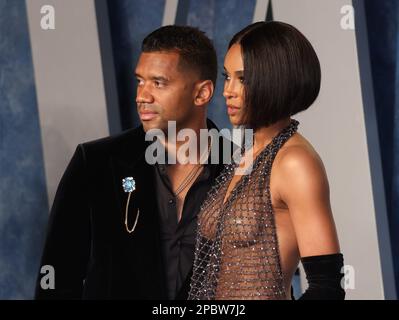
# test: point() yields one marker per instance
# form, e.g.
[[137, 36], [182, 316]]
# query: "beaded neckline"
[[284, 134]]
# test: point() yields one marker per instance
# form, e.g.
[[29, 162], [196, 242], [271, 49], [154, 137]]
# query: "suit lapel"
[[141, 249]]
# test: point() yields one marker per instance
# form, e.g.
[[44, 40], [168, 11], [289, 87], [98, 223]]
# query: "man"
[[136, 241]]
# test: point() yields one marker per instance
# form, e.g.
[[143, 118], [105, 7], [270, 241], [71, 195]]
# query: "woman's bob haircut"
[[281, 72]]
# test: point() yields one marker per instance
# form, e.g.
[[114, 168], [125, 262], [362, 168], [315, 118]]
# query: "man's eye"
[[159, 84], [139, 82]]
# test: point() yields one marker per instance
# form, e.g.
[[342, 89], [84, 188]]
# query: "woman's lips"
[[232, 110]]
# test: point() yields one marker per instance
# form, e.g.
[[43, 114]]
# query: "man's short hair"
[[194, 47]]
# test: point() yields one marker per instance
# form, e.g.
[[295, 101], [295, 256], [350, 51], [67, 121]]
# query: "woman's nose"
[[229, 92]]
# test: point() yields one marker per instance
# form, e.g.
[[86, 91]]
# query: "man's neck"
[[174, 145]]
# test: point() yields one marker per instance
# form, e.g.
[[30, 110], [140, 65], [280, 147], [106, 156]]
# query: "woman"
[[253, 229]]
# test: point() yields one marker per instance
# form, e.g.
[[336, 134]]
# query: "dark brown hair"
[[281, 72]]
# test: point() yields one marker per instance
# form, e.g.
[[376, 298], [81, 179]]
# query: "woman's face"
[[234, 84]]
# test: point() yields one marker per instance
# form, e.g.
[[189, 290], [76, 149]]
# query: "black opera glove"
[[324, 277]]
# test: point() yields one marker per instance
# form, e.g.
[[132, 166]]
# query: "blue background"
[[23, 194]]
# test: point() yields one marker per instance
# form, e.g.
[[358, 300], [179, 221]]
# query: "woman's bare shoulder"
[[297, 153], [298, 164]]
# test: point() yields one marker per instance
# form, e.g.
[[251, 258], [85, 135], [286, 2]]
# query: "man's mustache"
[[147, 107]]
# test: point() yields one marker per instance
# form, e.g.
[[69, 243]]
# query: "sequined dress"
[[237, 254]]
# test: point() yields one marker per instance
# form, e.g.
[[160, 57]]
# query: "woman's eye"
[[225, 76], [241, 79]]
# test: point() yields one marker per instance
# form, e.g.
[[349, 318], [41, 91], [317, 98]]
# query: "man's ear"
[[203, 92]]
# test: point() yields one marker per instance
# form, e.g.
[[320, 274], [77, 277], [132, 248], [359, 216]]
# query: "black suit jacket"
[[92, 254]]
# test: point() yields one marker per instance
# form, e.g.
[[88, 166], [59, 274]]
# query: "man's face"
[[165, 92]]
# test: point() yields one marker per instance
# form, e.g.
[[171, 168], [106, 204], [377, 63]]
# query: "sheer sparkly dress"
[[237, 254]]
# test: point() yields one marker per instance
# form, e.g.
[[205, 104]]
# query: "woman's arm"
[[303, 187]]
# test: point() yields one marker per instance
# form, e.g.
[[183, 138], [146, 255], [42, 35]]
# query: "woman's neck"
[[264, 135]]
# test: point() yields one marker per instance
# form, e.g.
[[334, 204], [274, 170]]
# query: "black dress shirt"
[[178, 237]]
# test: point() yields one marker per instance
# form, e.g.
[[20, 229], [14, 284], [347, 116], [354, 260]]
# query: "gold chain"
[[187, 180], [126, 215]]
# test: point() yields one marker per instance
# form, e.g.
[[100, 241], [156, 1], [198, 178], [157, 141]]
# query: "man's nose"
[[144, 96]]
